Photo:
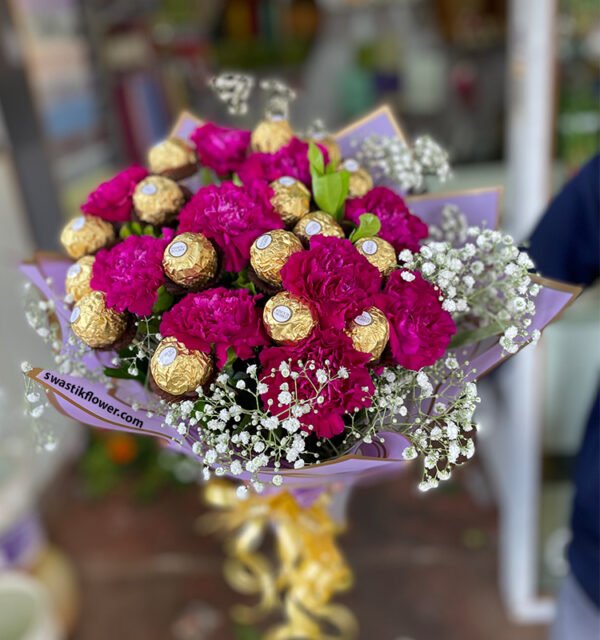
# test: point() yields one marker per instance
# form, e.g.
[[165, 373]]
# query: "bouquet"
[[294, 311]]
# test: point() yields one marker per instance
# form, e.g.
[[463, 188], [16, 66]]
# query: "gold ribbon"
[[310, 571]]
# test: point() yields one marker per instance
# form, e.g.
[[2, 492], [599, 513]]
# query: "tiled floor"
[[425, 566]]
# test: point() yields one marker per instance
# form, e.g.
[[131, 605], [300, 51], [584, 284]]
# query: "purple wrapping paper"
[[90, 403]]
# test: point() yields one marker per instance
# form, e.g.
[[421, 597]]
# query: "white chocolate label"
[[148, 189], [75, 314], [287, 181], [369, 247], [167, 356], [78, 223], [264, 241], [74, 270], [312, 228], [281, 313], [178, 249], [351, 165], [364, 319]]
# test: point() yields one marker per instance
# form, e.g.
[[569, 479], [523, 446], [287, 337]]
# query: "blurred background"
[[105, 524]]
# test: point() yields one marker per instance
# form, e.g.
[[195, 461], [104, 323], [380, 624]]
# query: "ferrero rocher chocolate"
[[378, 252], [94, 323], [317, 223], [79, 274], [370, 332], [360, 179], [329, 142], [291, 199], [271, 134], [179, 370], [190, 260], [287, 319], [157, 199], [172, 158], [270, 252], [85, 235]]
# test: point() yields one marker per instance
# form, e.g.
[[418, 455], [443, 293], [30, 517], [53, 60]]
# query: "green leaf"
[[330, 192], [316, 160], [231, 357], [123, 374], [236, 180], [163, 300], [243, 282], [369, 226], [148, 230], [137, 228], [125, 231], [476, 335]]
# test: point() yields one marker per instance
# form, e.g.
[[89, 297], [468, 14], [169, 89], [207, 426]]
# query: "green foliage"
[[369, 226], [164, 300], [330, 188]]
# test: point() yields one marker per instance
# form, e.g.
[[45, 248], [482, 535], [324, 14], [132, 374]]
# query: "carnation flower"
[[220, 148], [399, 226], [331, 274], [233, 217], [291, 160], [420, 329], [330, 351], [220, 318], [130, 273], [112, 200]]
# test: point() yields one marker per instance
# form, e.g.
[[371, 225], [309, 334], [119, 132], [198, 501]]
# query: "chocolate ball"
[[271, 134], [317, 223], [173, 158], [79, 274], [270, 252], [291, 199], [361, 181], [85, 235], [190, 260], [379, 253], [94, 323], [178, 370], [370, 332], [157, 199], [287, 318]]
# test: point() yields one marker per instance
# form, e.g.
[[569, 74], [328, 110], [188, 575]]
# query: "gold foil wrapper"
[[333, 149], [287, 319], [94, 323], [370, 332], [179, 370], [361, 181], [157, 199], [85, 235], [317, 223], [190, 260], [379, 253], [79, 274], [172, 157], [291, 199], [270, 252], [270, 135]]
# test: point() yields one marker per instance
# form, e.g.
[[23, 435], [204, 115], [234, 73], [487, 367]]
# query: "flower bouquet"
[[294, 312]]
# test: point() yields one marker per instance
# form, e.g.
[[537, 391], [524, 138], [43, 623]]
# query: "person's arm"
[[566, 243]]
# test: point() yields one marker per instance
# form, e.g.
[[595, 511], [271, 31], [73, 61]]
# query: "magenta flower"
[[291, 160], [112, 200], [420, 330], [219, 318], [220, 148], [331, 351], [331, 274], [233, 217], [399, 226], [130, 273]]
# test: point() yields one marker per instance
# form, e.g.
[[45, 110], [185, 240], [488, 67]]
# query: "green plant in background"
[[112, 458]]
